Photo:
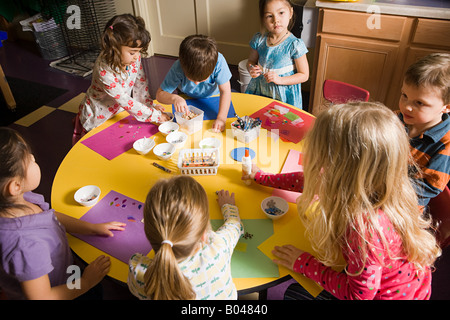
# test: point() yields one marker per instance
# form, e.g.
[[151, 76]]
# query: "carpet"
[[29, 96]]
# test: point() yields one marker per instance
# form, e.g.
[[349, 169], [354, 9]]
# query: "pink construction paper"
[[292, 164], [293, 131], [117, 207], [119, 137]]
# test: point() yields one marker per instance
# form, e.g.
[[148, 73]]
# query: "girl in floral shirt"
[[118, 79]]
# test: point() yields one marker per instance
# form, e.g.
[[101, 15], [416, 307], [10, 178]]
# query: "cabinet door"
[[169, 22], [364, 63], [232, 23]]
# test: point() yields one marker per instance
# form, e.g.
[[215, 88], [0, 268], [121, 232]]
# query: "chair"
[[439, 207], [340, 92]]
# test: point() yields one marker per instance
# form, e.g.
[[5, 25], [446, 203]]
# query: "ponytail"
[[164, 275], [174, 229]]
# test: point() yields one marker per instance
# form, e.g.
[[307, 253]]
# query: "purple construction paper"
[[117, 207], [119, 137]]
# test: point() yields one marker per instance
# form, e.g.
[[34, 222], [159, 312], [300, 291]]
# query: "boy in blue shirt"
[[201, 71], [424, 106]]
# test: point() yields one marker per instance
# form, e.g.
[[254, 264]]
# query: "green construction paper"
[[291, 116], [247, 260], [241, 246]]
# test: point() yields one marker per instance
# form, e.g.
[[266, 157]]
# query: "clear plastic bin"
[[193, 125], [245, 136]]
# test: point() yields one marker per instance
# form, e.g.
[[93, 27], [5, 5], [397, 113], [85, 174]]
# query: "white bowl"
[[164, 151], [144, 145], [178, 139], [168, 127], [274, 207], [87, 196], [212, 143], [171, 115]]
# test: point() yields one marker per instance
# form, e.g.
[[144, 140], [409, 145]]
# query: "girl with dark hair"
[[118, 79], [34, 252]]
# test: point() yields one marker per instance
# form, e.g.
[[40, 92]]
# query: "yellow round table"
[[133, 175]]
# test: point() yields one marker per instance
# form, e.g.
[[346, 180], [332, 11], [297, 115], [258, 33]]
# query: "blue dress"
[[280, 59]]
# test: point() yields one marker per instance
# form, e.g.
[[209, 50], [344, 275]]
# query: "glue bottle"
[[247, 164]]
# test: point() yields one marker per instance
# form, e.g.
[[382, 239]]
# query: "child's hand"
[[224, 197], [287, 255], [104, 229], [252, 174], [164, 117], [96, 271], [159, 107], [180, 104], [255, 71], [272, 76], [218, 125]]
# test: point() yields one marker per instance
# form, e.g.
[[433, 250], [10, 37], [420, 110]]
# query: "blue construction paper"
[[3, 36], [238, 153], [210, 107]]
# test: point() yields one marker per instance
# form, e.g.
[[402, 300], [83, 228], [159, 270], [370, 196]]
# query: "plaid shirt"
[[431, 151]]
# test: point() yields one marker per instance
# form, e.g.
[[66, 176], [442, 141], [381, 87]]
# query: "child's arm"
[[341, 285], [41, 289], [171, 98], [230, 213], [292, 181], [112, 86], [362, 277], [141, 91], [73, 225], [301, 76], [224, 106]]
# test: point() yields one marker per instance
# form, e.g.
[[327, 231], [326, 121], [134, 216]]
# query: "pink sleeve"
[[292, 181], [350, 285]]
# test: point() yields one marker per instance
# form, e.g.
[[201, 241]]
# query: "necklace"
[[274, 44]]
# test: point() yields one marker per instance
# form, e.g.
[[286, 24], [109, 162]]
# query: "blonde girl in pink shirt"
[[358, 203]]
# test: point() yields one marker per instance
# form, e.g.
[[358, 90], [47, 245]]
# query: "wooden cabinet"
[[351, 49], [232, 23]]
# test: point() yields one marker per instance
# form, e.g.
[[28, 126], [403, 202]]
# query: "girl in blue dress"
[[277, 62]]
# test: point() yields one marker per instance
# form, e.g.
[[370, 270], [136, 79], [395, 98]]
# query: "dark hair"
[[14, 153], [123, 30], [198, 56], [262, 7]]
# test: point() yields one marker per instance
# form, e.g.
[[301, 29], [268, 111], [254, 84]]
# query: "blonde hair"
[[175, 210], [356, 162]]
